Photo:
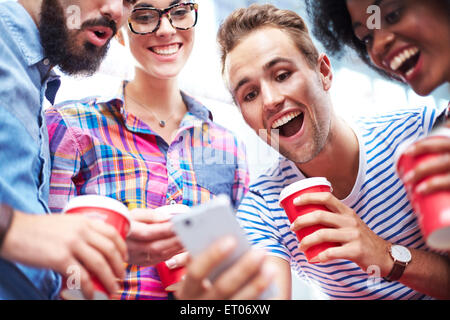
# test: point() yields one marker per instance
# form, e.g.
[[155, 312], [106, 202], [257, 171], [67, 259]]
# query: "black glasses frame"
[[163, 12]]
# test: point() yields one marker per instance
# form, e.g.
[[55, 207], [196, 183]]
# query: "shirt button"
[[46, 62], [180, 139], [172, 202]]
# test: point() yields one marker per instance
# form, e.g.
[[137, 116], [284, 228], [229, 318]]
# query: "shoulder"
[[73, 111], [420, 118], [269, 185]]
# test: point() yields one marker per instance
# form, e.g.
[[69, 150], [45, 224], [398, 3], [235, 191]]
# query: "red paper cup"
[[287, 197], [110, 211], [170, 278], [432, 210]]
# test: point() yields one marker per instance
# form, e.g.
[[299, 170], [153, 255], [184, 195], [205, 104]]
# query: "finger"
[[178, 260], [150, 232], [235, 277], [111, 233], [166, 246], [434, 184], [429, 145], [110, 250], [321, 198], [327, 235], [325, 218], [82, 275], [435, 165], [334, 253], [257, 286], [149, 216], [96, 264], [201, 266]]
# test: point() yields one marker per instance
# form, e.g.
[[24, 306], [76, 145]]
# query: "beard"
[[61, 46]]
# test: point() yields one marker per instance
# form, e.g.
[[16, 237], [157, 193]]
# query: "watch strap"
[[6, 217], [396, 272]]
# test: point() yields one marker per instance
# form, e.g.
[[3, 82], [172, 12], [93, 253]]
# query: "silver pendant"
[[162, 123]]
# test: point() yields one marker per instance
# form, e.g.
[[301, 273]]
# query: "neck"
[[161, 96], [342, 144], [33, 7]]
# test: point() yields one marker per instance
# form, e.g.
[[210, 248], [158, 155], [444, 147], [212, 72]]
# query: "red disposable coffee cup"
[[170, 278], [287, 196], [110, 211], [432, 210]]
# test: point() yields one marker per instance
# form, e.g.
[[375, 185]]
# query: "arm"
[[282, 278], [428, 272], [58, 242]]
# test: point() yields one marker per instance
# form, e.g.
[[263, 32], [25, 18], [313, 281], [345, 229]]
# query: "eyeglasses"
[[145, 20]]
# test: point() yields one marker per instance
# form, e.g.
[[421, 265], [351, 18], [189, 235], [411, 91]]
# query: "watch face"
[[401, 254]]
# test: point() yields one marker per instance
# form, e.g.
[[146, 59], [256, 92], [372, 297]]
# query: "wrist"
[[6, 219]]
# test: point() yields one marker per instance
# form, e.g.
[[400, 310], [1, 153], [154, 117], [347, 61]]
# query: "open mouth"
[[167, 50], [99, 36], [405, 62], [290, 124]]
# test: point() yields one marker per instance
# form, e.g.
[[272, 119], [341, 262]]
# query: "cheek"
[[253, 119]]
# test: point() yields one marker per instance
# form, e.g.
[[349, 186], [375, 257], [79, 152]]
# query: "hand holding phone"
[[206, 224]]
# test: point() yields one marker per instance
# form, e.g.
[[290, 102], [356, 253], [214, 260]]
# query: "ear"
[[120, 37], [326, 74]]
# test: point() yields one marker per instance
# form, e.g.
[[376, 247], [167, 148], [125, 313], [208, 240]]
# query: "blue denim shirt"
[[25, 79]]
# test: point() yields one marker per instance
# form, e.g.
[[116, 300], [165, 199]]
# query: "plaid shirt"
[[98, 148]]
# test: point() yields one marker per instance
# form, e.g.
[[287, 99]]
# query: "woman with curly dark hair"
[[408, 40]]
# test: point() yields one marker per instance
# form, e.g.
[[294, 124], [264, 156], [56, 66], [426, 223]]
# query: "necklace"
[[162, 123]]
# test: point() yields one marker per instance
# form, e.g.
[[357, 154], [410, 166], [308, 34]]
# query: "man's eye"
[[283, 76], [250, 96]]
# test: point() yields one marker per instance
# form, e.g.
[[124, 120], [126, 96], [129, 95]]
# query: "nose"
[[165, 28], [271, 97], [113, 9], [382, 41]]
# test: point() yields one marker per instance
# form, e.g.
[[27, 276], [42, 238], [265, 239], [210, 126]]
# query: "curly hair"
[[243, 21], [332, 26]]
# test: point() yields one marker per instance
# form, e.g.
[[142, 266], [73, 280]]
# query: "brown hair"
[[243, 21]]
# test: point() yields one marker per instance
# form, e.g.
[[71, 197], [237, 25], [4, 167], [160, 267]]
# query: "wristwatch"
[[402, 257], [6, 217]]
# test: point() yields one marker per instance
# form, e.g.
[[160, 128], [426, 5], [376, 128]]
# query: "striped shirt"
[[378, 197], [98, 148]]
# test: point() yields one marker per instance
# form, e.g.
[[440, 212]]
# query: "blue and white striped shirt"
[[378, 197]]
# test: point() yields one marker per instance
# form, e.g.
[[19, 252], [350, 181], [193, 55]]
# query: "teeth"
[[398, 60], [166, 51], [282, 121]]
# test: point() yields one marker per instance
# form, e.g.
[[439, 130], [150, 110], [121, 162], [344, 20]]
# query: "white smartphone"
[[208, 222]]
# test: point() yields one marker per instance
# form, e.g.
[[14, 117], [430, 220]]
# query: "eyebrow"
[[359, 24], [266, 67], [149, 5]]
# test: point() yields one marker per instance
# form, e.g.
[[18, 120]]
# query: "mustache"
[[101, 22]]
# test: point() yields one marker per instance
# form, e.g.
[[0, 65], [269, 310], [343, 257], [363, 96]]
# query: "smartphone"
[[209, 222]]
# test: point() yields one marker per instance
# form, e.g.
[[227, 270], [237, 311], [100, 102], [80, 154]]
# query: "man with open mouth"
[[37, 35], [281, 85]]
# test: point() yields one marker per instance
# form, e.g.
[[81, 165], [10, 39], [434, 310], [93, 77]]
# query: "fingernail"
[[227, 243], [297, 200], [171, 263], [421, 188], [408, 176], [314, 260]]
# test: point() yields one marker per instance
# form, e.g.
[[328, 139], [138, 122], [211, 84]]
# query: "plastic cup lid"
[[303, 184], [97, 201]]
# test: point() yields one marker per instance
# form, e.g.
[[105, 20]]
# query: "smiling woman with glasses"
[[147, 145], [146, 19]]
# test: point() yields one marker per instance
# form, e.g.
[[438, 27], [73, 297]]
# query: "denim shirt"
[[25, 79]]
